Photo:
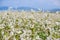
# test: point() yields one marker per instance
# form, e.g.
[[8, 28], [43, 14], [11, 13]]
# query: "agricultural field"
[[31, 25]]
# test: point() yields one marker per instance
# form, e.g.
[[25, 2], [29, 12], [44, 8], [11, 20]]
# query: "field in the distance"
[[23, 25]]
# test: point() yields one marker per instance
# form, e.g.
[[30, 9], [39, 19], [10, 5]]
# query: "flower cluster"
[[23, 25]]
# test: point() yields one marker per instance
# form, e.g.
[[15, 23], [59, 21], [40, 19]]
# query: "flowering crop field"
[[23, 25]]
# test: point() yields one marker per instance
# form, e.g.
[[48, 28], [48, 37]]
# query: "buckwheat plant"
[[29, 25]]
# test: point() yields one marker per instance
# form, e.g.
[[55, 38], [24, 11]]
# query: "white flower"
[[18, 32], [57, 23], [48, 22], [58, 39], [11, 33], [38, 18], [22, 39], [37, 37], [49, 38], [2, 32]]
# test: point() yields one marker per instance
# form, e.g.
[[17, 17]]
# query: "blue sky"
[[45, 4]]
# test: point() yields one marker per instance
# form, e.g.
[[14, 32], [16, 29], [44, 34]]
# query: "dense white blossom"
[[23, 25]]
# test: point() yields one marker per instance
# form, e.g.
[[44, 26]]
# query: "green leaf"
[[42, 35]]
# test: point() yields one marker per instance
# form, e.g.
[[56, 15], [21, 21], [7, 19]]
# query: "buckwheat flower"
[[22, 35], [48, 22], [44, 15], [57, 23], [18, 32], [14, 38], [11, 33], [11, 26], [28, 33], [28, 38], [6, 38], [37, 37], [32, 26], [13, 29], [2, 26], [22, 39], [49, 38], [3, 33], [25, 31], [59, 30]]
